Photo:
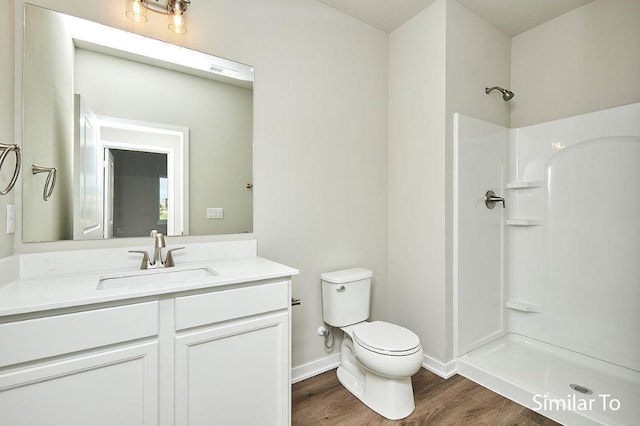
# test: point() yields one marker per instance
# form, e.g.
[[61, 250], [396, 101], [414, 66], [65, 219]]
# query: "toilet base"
[[391, 398]]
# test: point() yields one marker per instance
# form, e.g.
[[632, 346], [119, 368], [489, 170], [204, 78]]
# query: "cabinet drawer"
[[34, 339], [208, 308]]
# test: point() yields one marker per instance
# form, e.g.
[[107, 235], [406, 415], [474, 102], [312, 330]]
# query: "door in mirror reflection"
[[89, 181], [130, 176], [140, 193], [146, 165]]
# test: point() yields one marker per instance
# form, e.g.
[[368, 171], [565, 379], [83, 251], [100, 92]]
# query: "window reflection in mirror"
[[163, 200]]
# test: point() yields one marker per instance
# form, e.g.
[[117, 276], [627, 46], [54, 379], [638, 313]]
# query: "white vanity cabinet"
[[232, 357], [95, 367], [208, 356]]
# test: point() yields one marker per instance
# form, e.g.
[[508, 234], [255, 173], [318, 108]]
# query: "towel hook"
[[4, 152], [50, 183]]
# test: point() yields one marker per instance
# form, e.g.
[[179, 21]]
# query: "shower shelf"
[[524, 184], [519, 305], [524, 222]]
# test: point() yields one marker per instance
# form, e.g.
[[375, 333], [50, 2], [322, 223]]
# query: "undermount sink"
[[156, 277]]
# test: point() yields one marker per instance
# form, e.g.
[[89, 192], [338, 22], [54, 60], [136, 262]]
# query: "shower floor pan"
[[539, 376]]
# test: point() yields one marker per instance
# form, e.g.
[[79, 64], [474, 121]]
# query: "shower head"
[[506, 94]]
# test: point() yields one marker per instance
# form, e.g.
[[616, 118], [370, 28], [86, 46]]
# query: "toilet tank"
[[345, 296]]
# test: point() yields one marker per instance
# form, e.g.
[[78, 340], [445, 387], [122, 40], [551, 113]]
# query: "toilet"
[[377, 359]]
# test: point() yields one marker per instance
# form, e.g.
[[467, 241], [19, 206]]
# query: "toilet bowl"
[[377, 359], [378, 372], [387, 349]]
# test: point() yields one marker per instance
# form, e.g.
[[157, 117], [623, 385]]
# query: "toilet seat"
[[386, 338]]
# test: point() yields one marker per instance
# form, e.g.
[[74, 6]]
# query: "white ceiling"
[[510, 16]]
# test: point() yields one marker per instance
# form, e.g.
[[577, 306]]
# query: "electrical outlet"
[[11, 219], [215, 213]]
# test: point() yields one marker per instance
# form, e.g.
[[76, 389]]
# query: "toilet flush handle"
[[341, 289]]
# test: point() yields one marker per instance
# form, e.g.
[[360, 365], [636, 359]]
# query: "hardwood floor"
[[321, 400]]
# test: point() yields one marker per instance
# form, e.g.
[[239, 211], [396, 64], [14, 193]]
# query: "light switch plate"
[[215, 213], [11, 219]]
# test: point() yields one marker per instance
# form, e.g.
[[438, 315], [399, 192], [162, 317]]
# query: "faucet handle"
[[490, 200], [168, 262], [145, 258]]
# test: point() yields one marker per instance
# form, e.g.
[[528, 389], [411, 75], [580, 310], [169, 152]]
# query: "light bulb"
[[136, 11], [177, 22]]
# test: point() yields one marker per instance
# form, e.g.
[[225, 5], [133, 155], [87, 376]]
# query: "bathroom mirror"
[[142, 134]]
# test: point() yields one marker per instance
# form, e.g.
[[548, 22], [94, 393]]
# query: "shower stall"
[[547, 289]]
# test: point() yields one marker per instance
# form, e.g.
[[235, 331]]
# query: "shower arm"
[[488, 90]]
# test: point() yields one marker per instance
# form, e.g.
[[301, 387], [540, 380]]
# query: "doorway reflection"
[[139, 198]]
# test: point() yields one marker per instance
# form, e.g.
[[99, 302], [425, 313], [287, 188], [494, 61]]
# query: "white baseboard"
[[305, 371], [314, 368], [444, 370]]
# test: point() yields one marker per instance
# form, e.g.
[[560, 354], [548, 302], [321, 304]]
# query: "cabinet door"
[[234, 374], [114, 387]]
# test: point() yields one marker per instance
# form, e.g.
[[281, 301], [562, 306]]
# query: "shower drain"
[[582, 389]]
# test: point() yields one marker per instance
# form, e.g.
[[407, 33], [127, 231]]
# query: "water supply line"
[[329, 339]]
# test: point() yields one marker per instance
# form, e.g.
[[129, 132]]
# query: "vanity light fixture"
[[174, 9]]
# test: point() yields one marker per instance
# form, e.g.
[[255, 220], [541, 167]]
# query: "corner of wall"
[[583, 61], [416, 153]]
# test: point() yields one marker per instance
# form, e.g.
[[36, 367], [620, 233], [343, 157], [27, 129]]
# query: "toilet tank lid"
[[346, 275]]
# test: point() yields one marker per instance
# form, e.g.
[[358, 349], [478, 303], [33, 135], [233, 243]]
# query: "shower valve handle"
[[490, 200]]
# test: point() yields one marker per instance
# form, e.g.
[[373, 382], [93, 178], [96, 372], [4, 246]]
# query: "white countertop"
[[39, 293]]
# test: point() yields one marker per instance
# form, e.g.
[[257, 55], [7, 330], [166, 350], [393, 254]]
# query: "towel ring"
[[50, 183], [4, 152]]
